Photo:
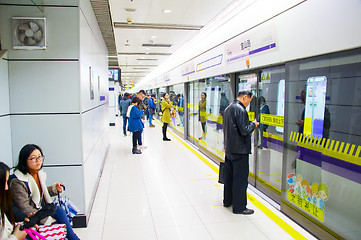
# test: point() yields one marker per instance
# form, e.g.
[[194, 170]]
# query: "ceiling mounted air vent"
[[130, 9], [147, 59], [156, 45]]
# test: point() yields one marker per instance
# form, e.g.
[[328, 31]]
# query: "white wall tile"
[[5, 126], [44, 87], [72, 177], [5, 141], [4, 84], [59, 136]]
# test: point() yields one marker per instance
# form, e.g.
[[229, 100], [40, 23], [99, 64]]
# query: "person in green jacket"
[[202, 117], [166, 106]]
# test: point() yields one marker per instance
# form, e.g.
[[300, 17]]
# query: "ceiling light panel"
[[166, 11]]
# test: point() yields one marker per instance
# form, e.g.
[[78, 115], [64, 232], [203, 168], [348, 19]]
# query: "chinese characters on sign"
[[246, 44], [309, 197], [306, 206]]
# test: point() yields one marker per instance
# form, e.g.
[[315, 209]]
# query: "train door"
[[249, 82], [192, 113], [269, 145]]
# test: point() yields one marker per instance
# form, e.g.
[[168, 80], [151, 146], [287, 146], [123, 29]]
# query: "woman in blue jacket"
[[135, 122]]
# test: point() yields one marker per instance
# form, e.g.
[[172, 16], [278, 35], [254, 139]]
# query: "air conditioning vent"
[[156, 45], [29, 33]]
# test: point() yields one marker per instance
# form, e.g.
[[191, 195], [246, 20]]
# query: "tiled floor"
[[168, 193]]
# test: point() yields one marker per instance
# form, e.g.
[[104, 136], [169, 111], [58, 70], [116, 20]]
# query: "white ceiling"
[[184, 12]]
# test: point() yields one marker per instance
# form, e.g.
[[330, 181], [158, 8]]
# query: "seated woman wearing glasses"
[[30, 191]]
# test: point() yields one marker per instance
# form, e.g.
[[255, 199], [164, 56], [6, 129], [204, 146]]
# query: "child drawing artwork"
[[314, 193], [314, 188], [298, 186], [291, 181], [323, 194]]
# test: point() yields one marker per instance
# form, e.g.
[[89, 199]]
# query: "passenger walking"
[[237, 143], [166, 105], [7, 219], [123, 107], [152, 107], [135, 122], [203, 114], [30, 191]]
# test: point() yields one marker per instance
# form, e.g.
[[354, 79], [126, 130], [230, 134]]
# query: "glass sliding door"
[[249, 82], [177, 114], [192, 114], [215, 98], [322, 172], [270, 114]]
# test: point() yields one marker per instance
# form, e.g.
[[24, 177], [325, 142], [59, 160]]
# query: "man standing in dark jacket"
[[237, 143]]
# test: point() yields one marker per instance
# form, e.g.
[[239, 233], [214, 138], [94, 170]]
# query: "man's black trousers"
[[236, 181]]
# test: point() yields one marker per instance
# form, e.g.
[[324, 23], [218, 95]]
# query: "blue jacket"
[[123, 105], [135, 123], [151, 103]]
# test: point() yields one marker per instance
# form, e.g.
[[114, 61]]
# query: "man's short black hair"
[[245, 92], [152, 95], [142, 92]]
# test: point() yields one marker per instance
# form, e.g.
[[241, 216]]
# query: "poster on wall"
[[315, 106], [91, 83]]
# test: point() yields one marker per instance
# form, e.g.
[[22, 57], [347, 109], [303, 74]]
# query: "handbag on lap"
[[48, 232]]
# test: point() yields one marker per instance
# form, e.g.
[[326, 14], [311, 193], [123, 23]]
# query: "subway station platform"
[[170, 192]]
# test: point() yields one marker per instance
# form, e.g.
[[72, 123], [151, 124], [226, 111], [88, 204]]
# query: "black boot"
[[165, 134]]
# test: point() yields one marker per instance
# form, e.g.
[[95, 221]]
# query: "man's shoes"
[[245, 212], [152, 125], [226, 205], [136, 151], [166, 139], [125, 135]]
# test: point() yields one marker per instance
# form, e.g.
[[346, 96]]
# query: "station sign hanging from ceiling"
[[250, 43]]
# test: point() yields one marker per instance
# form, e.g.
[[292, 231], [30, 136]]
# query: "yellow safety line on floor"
[[194, 151], [269, 175], [285, 226], [204, 179]]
